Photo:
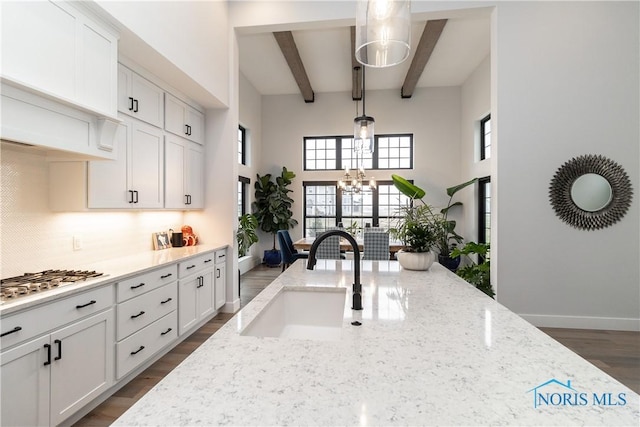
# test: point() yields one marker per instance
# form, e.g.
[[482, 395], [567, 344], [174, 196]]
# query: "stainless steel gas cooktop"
[[30, 283]]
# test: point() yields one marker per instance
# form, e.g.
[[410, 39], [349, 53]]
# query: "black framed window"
[[325, 207], [242, 145], [336, 153], [485, 137], [484, 210], [243, 192]]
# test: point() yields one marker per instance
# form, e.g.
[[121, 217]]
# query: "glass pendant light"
[[383, 32], [363, 127]]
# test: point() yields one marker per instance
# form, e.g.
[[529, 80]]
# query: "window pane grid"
[[241, 145], [320, 153], [485, 138]]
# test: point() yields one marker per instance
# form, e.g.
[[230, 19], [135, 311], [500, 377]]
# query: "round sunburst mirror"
[[590, 192]]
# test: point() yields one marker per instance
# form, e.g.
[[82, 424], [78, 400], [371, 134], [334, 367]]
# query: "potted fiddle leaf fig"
[[246, 234], [416, 228], [272, 209]]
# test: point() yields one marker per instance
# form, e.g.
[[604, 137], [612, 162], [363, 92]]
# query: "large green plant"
[[246, 234], [272, 205], [442, 228], [476, 273], [448, 239]]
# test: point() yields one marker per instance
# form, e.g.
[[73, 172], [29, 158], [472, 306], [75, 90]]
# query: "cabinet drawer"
[[139, 312], [47, 317], [196, 264], [221, 256], [146, 282], [139, 347]]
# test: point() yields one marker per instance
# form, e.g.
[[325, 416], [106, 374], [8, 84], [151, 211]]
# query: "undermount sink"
[[301, 313]]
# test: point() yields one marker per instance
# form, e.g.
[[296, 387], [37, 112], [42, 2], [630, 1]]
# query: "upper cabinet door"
[[60, 52], [139, 98], [183, 120], [147, 166]]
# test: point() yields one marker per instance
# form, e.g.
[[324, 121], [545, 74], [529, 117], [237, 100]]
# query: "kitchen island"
[[431, 350]]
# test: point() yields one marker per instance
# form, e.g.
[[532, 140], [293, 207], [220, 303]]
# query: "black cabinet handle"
[[166, 301], [137, 286], [135, 109], [135, 192], [130, 104], [200, 282], [186, 129], [14, 330], [133, 316], [190, 267], [207, 260], [59, 356], [138, 350], [166, 275], [86, 305], [166, 332], [48, 347], [130, 196], [217, 273]]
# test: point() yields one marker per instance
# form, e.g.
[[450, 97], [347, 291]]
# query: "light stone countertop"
[[114, 270], [431, 350]]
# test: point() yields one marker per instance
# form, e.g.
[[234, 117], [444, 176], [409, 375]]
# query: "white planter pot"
[[415, 260]]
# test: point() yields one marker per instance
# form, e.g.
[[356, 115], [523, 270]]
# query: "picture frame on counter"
[[161, 240]]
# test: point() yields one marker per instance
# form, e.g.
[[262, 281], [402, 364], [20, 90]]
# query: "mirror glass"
[[591, 192]]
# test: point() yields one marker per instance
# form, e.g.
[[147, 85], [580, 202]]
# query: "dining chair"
[[329, 248], [376, 245], [288, 252]]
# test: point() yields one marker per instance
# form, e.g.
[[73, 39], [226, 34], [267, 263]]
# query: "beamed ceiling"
[[444, 52]]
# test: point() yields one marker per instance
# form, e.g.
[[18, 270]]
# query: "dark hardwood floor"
[[615, 352]]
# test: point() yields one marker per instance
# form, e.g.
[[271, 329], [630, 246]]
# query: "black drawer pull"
[[207, 260], [59, 350], [166, 275], [166, 301], [14, 330], [190, 267], [130, 104], [137, 286], [48, 347], [87, 304], [217, 273], [137, 315], [166, 332], [135, 109], [138, 350]]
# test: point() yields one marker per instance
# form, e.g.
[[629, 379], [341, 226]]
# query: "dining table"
[[306, 242]]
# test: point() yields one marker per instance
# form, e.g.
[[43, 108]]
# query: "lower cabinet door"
[[220, 281], [187, 303], [24, 384], [82, 364], [206, 297]]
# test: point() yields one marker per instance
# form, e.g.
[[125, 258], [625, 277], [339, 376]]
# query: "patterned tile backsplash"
[[33, 238]]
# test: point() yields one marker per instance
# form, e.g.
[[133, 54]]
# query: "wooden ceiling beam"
[[292, 56], [430, 35], [356, 70]]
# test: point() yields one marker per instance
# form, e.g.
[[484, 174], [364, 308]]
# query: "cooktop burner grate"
[[30, 283]]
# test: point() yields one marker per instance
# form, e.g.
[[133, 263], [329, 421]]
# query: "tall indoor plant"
[[477, 273], [272, 209], [448, 239]]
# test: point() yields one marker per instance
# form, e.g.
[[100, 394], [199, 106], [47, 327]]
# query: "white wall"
[[193, 37], [567, 85], [432, 115], [476, 104]]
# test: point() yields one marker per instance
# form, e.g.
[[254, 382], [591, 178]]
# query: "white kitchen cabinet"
[[196, 292], [136, 179], [44, 381], [184, 174], [183, 120], [139, 98], [61, 52], [220, 278]]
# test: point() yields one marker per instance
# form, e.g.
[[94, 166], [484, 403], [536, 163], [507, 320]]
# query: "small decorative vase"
[[419, 261]]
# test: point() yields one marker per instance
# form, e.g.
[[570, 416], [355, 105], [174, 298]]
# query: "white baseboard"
[[582, 322], [246, 263], [231, 307]]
